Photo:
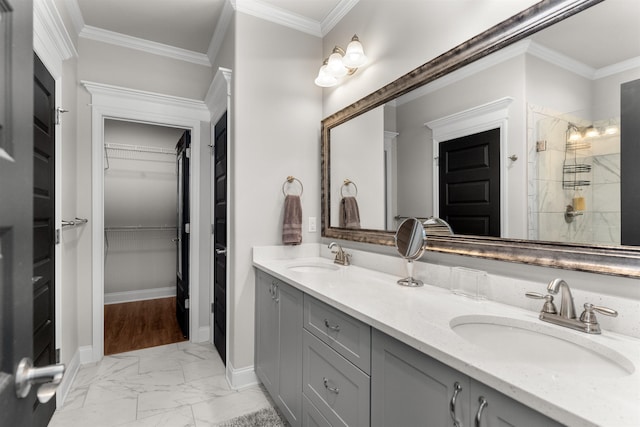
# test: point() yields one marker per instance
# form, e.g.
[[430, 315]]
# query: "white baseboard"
[[129, 296], [204, 334], [241, 378], [82, 356]]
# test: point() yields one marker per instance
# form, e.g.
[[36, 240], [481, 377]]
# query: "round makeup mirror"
[[410, 241]]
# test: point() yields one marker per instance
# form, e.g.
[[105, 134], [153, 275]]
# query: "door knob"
[[221, 251], [49, 376]]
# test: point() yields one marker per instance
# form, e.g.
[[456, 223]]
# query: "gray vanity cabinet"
[[410, 389], [279, 343]]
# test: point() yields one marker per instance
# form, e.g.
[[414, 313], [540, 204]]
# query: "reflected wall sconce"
[[341, 63]]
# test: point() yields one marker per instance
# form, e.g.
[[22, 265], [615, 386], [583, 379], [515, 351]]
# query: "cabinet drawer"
[[337, 388], [346, 335], [311, 417]]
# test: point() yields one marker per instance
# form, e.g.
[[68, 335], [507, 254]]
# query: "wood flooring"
[[140, 324]]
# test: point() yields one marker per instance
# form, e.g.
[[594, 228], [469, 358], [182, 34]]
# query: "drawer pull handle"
[[335, 390], [483, 404], [457, 388], [333, 328]]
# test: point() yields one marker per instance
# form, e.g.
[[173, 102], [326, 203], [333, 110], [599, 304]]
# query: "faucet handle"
[[588, 315], [549, 306]]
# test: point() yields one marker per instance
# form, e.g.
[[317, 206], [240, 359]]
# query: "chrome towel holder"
[[290, 179]]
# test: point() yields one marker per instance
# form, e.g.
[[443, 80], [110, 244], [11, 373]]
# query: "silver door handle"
[[49, 376], [175, 239], [221, 251]]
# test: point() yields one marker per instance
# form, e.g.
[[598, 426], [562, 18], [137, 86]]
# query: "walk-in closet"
[[141, 210]]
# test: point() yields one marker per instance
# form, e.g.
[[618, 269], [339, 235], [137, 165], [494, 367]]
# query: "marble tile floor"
[[175, 385]]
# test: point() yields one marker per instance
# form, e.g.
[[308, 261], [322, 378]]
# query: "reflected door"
[[182, 280], [469, 169], [220, 237]]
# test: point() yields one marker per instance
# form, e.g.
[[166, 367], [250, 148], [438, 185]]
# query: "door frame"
[[119, 103], [218, 100], [493, 115]]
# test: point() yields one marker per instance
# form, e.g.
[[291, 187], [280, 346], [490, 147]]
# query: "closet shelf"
[[140, 228], [140, 148]]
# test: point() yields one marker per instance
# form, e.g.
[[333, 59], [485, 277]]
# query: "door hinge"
[[187, 228], [186, 303], [60, 110], [213, 229], [57, 355], [212, 307], [188, 153], [57, 236]]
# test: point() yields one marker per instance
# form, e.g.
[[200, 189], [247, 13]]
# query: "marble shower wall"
[[547, 200]]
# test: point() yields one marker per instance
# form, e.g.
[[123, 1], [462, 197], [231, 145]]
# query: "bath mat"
[[267, 417]]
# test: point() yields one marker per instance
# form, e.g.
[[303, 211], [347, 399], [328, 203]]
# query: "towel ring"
[[290, 180], [345, 184]]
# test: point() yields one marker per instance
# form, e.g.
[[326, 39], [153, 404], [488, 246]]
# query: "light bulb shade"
[[354, 57], [591, 132], [575, 136], [611, 130], [324, 79], [335, 67]]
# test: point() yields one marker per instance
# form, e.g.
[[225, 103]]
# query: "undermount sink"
[[313, 267], [523, 342]]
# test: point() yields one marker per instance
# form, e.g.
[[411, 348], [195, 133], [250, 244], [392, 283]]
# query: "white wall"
[[276, 126], [357, 153]]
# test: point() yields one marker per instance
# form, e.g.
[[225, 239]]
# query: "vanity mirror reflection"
[[548, 89]]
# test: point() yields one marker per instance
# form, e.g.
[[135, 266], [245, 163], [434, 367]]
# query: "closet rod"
[[141, 228]]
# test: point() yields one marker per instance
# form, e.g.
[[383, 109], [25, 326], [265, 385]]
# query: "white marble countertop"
[[421, 318]]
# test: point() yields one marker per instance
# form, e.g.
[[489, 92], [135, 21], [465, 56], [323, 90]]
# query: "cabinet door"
[[266, 332], [502, 411], [289, 396], [411, 389]]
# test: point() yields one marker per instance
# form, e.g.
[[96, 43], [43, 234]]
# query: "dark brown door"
[[220, 237], [44, 348], [182, 277], [629, 155], [16, 187], [469, 175]]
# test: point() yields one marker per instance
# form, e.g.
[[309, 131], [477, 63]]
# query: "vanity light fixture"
[[341, 63]]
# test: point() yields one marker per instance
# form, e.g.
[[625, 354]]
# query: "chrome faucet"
[[342, 257], [567, 309], [567, 316]]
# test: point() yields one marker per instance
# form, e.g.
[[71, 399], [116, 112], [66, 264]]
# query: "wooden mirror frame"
[[613, 260]]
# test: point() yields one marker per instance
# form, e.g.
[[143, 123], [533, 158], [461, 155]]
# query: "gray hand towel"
[[292, 223], [349, 213]]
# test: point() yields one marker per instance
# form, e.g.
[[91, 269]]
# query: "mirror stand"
[[410, 281], [410, 242]]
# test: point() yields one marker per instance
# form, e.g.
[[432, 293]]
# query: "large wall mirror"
[[553, 91]]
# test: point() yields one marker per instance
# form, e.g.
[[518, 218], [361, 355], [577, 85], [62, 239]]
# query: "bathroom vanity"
[[345, 345]]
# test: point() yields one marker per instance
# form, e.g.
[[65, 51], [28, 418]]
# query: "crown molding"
[[105, 94], [76, 15], [51, 41], [279, 16], [220, 31], [338, 12], [122, 40], [513, 51]]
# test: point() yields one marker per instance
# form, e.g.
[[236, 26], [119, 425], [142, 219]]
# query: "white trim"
[[239, 379], [139, 295], [301, 23], [50, 38], [67, 380], [113, 102], [155, 48], [221, 29], [468, 122], [338, 12], [513, 51], [76, 15], [217, 98]]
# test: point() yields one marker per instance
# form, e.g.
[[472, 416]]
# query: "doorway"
[[469, 179], [142, 236]]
